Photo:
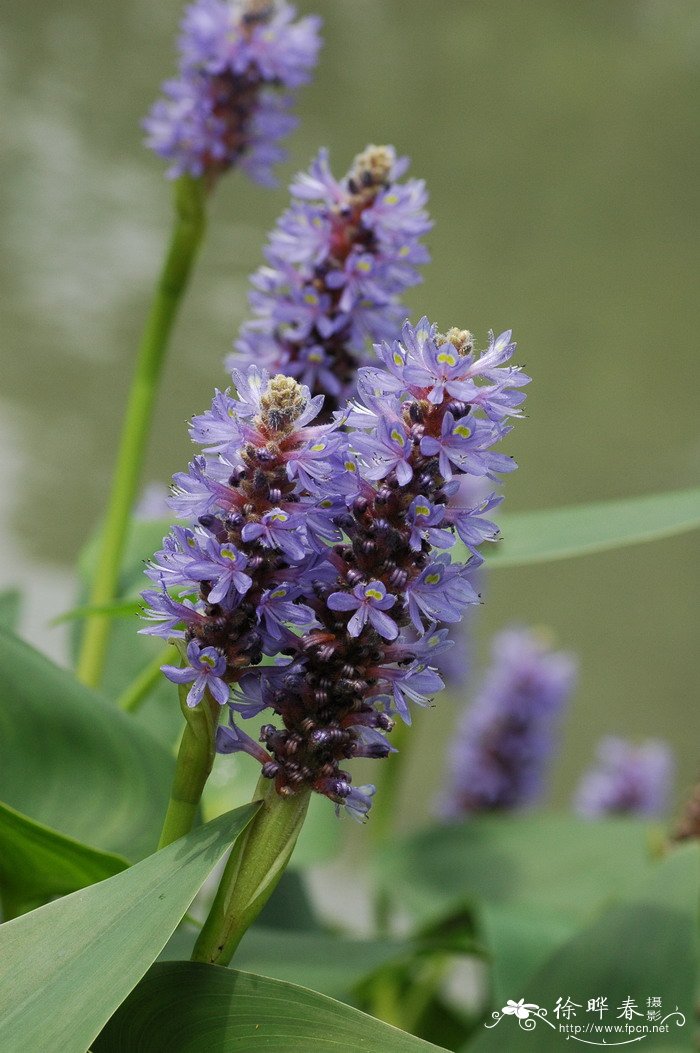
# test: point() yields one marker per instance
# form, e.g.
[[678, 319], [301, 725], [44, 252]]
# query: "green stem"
[[254, 868], [182, 250], [131, 698], [194, 763]]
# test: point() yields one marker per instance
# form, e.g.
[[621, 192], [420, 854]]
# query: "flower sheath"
[[350, 603]]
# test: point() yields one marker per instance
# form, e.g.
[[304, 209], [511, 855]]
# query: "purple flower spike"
[[505, 739], [319, 545], [627, 780], [369, 603], [337, 264], [230, 104], [206, 668]]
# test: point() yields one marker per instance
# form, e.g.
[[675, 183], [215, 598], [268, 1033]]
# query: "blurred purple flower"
[[230, 105], [627, 779], [504, 740]]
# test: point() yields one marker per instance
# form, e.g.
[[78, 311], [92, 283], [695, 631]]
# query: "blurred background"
[[559, 143]]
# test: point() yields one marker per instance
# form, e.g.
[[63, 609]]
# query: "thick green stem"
[[138, 690], [194, 762], [185, 240], [254, 868]]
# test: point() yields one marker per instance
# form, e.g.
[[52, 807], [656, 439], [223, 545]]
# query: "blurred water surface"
[[560, 146]]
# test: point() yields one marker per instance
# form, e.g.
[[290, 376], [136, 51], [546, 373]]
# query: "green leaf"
[[520, 939], [9, 609], [560, 533], [330, 964], [558, 864], [643, 947], [75, 763], [37, 863], [68, 965], [189, 1007]]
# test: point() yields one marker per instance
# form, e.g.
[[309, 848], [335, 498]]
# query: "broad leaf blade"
[[642, 947], [556, 863], [561, 533], [37, 863], [73, 762], [68, 965], [329, 964], [189, 1007]]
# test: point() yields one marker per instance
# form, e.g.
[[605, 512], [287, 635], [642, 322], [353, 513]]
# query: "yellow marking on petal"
[[318, 447], [398, 437], [391, 199], [364, 265], [433, 579], [229, 553], [462, 430], [422, 510], [278, 593], [433, 640], [445, 356], [279, 517], [373, 594], [404, 250], [422, 335], [398, 359], [206, 659], [350, 466], [310, 297]]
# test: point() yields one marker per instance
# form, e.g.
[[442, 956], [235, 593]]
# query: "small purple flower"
[[277, 609], [414, 683], [424, 518], [464, 443], [626, 780], [231, 739], [441, 592], [369, 603], [277, 529], [387, 449], [167, 613], [206, 668], [224, 566]]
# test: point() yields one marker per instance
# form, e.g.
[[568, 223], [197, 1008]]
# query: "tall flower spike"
[[504, 741], [240, 61], [338, 263], [626, 780], [348, 601], [379, 592]]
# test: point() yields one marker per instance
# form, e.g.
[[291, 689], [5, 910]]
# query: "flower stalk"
[[184, 243], [252, 872]]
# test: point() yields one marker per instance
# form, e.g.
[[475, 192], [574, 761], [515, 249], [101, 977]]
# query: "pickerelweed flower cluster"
[[627, 779], [506, 737], [327, 547], [240, 61], [338, 262]]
